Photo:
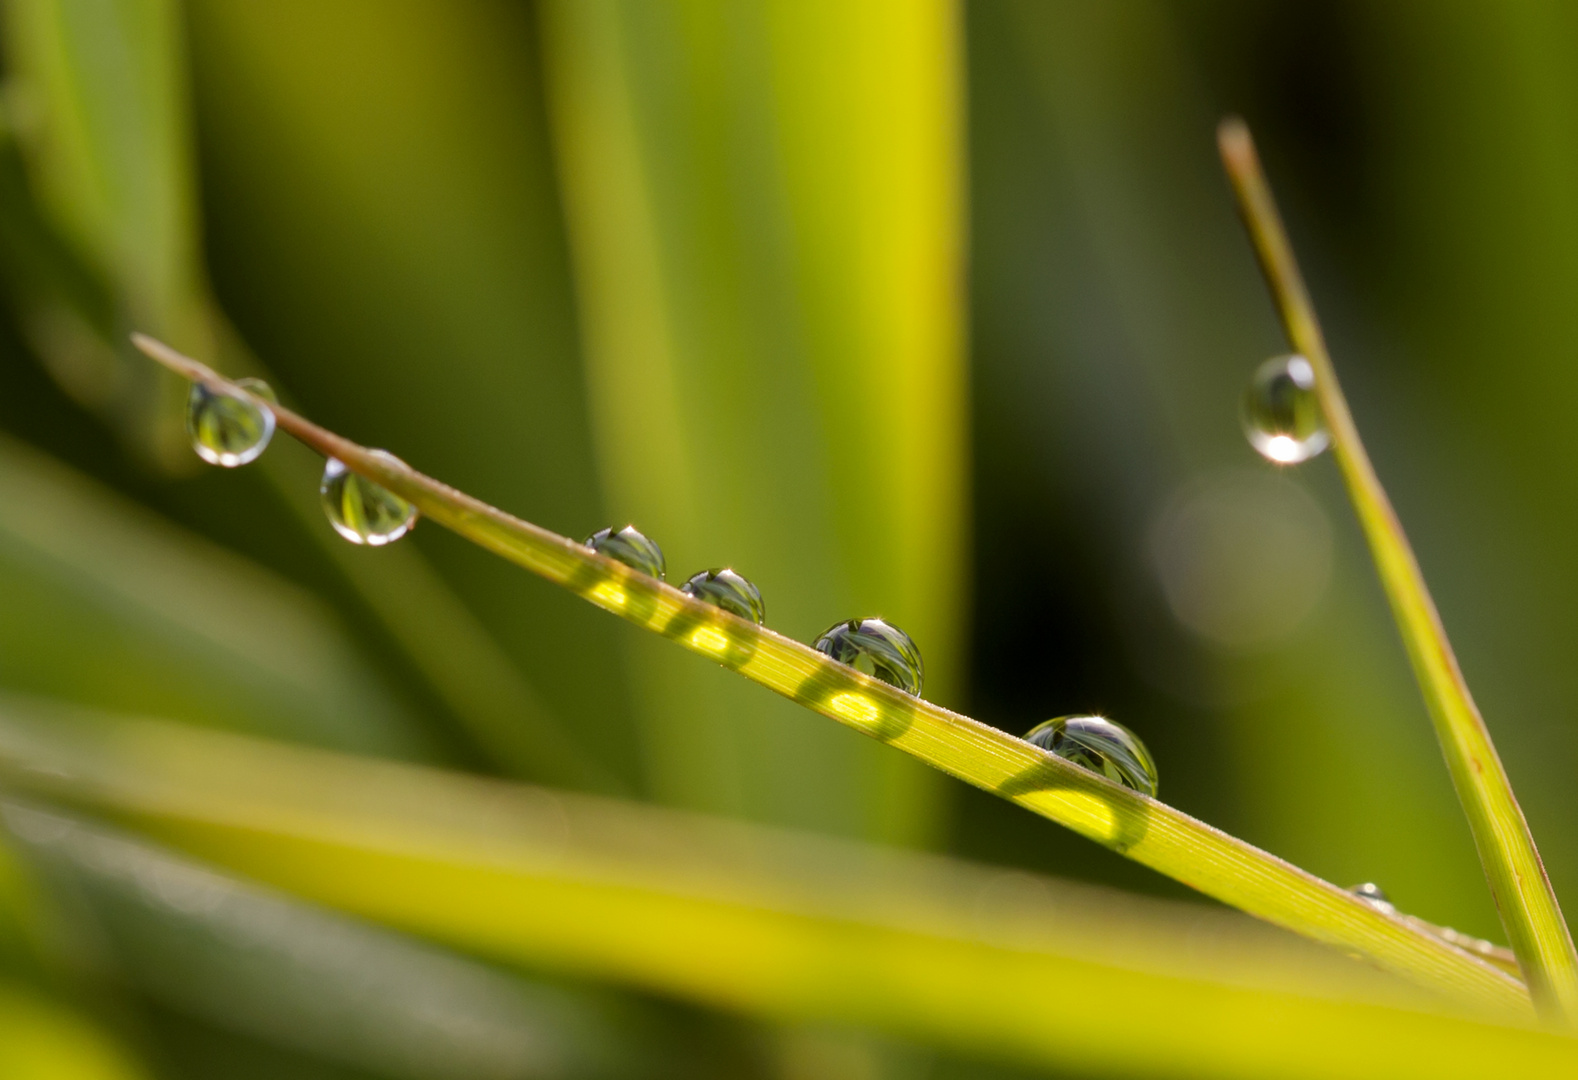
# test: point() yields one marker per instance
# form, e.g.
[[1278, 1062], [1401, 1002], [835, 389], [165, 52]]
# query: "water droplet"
[[1098, 744], [878, 649], [227, 428], [631, 548], [729, 591], [362, 511], [1281, 413], [1375, 896]]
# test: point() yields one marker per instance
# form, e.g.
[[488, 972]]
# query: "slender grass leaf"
[[1528, 906], [1138, 827], [790, 927]]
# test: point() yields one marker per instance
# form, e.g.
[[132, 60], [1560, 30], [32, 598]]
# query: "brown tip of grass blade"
[[1232, 137]]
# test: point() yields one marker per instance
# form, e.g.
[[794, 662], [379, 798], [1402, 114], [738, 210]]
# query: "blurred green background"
[[930, 310]]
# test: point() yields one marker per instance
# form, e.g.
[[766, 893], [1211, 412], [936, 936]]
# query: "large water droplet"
[[1375, 896], [729, 591], [1281, 413], [631, 548], [878, 649], [1098, 744], [227, 428], [361, 511]]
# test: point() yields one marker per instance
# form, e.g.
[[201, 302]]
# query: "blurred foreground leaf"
[[765, 213], [107, 604], [97, 98], [249, 960], [102, 233], [40, 1040], [783, 926]]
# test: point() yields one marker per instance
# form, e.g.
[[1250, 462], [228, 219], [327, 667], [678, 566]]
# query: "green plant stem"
[[1140, 828], [1529, 911]]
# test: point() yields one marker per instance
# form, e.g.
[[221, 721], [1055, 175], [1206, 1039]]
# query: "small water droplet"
[[1281, 413], [729, 591], [227, 428], [361, 511], [878, 649], [1375, 896], [1098, 744], [631, 548]]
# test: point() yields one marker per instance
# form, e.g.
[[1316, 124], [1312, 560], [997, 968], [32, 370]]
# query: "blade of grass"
[[788, 926], [1529, 910], [1140, 828]]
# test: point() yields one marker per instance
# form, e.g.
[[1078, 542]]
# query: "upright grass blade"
[[1529, 911], [763, 203], [783, 926], [1140, 828]]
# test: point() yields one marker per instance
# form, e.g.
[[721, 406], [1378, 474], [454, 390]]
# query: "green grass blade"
[[1140, 828], [785, 926], [1523, 893]]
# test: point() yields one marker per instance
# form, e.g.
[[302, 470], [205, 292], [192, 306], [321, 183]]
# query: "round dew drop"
[[1098, 744], [362, 511], [227, 428], [1281, 413], [878, 649], [729, 591], [631, 548]]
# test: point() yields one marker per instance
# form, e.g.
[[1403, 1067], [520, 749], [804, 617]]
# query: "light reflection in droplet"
[[1281, 412]]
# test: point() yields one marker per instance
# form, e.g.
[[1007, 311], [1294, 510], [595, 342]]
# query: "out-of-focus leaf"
[[41, 1040], [106, 604], [249, 960], [764, 204], [384, 232], [784, 926], [108, 148], [97, 95]]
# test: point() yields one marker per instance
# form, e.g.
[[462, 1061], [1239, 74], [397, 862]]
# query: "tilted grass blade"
[[1523, 893]]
